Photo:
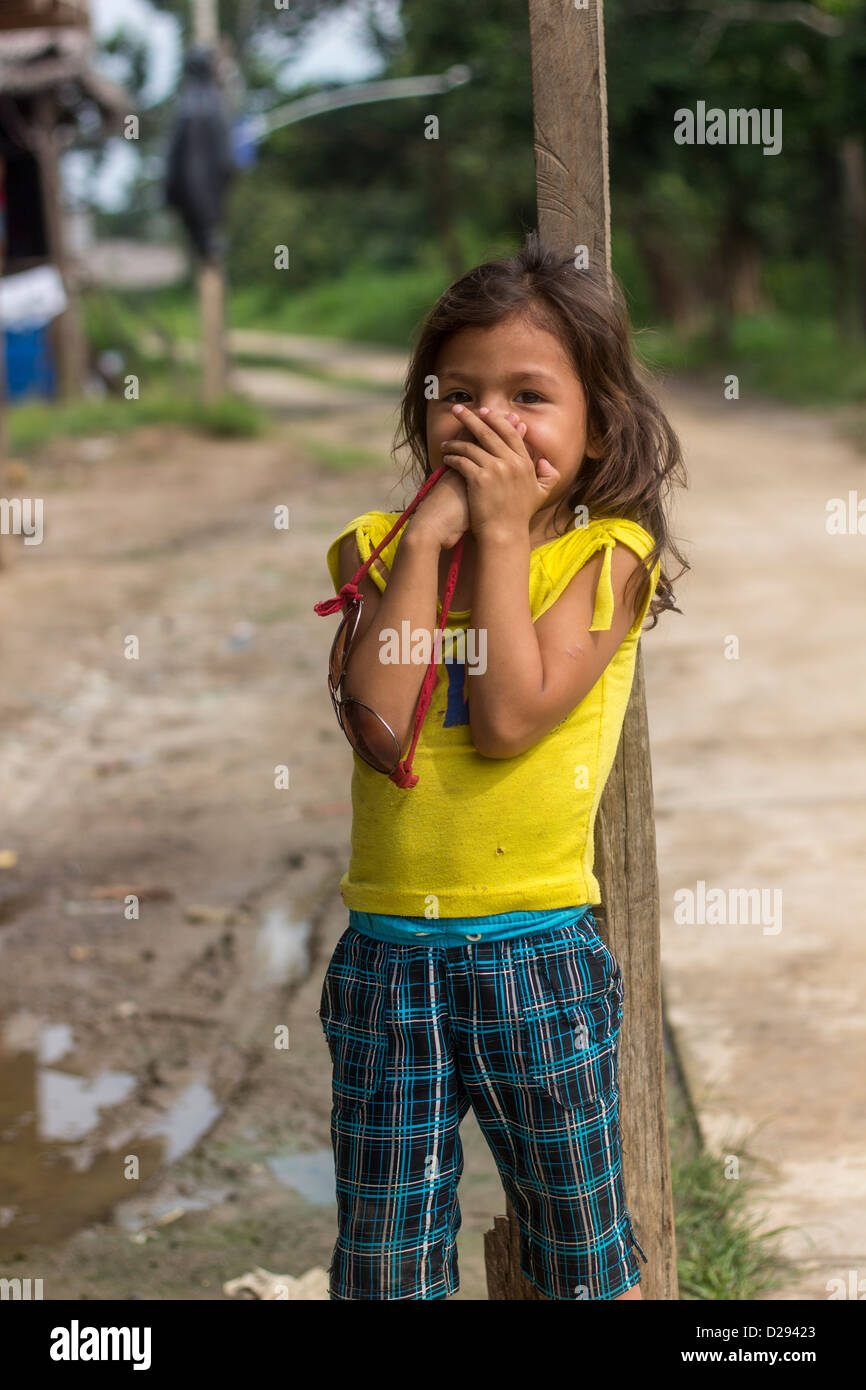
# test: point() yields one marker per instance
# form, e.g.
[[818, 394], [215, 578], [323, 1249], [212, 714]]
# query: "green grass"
[[721, 1254], [338, 458], [777, 355], [362, 305], [35, 423], [803, 361]]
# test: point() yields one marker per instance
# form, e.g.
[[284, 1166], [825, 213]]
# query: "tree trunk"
[[744, 264], [675, 295], [442, 204], [734, 277], [67, 333], [852, 261]]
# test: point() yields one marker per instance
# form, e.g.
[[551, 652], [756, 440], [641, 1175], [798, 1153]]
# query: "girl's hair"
[[640, 454]]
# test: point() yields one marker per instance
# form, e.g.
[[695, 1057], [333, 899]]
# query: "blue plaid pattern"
[[524, 1030]]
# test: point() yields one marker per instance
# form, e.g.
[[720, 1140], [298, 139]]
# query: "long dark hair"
[[640, 457]]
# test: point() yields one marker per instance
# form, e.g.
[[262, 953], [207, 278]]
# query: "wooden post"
[[211, 275], [211, 297], [206, 23], [66, 331], [571, 162], [569, 108]]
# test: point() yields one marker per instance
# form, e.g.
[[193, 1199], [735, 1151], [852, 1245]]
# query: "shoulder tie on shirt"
[[602, 615]]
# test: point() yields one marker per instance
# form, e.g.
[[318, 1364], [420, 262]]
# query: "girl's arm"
[[392, 689], [537, 673]]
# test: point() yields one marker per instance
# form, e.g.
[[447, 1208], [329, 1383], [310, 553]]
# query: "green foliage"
[[337, 458], [368, 303], [793, 358], [377, 219], [798, 359], [721, 1251], [114, 322], [33, 424]]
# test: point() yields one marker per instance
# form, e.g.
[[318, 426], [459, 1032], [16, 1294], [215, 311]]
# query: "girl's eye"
[[527, 392]]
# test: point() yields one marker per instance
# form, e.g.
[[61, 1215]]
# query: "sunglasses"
[[359, 722]]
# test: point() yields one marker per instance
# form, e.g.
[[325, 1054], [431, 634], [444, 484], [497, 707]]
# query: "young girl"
[[472, 972]]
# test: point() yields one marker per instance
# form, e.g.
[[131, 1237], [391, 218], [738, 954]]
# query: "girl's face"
[[513, 366]]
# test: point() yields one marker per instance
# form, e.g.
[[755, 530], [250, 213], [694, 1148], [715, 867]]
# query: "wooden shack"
[[52, 98]]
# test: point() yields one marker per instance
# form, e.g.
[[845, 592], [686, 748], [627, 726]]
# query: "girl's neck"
[[542, 527]]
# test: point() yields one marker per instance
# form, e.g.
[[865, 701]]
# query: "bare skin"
[[513, 460], [633, 1292], [509, 473]]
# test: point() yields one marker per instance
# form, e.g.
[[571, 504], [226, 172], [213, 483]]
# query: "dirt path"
[[156, 1038], [156, 1139], [756, 698]]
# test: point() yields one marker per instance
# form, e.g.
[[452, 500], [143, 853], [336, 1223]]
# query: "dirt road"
[[160, 1131], [164, 1095]]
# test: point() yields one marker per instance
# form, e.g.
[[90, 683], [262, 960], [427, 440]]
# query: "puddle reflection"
[[310, 1174], [53, 1183], [281, 949]]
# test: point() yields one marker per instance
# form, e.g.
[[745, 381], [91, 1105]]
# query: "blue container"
[[245, 150], [30, 366]]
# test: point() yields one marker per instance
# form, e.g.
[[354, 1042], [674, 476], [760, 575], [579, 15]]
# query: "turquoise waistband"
[[457, 931]]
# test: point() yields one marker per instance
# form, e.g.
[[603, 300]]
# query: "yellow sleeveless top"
[[479, 836]]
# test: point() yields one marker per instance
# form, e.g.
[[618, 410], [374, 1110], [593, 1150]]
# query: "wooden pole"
[[210, 274], [206, 23], [211, 303], [569, 106], [571, 160], [66, 331]]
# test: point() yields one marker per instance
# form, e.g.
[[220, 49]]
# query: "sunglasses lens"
[[370, 737], [342, 639]]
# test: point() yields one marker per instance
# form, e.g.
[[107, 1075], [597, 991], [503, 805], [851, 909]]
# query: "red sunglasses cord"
[[403, 775]]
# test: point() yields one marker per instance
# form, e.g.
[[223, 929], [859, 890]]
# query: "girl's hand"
[[505, 487], [444, 511]]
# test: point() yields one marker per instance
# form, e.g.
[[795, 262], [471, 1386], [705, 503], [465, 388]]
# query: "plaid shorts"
[[523, 1030]]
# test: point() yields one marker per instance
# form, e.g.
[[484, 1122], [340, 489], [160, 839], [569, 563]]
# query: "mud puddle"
[[55, 1177]]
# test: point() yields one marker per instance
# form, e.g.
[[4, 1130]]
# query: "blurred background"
[[219, 228], [716, 249]]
